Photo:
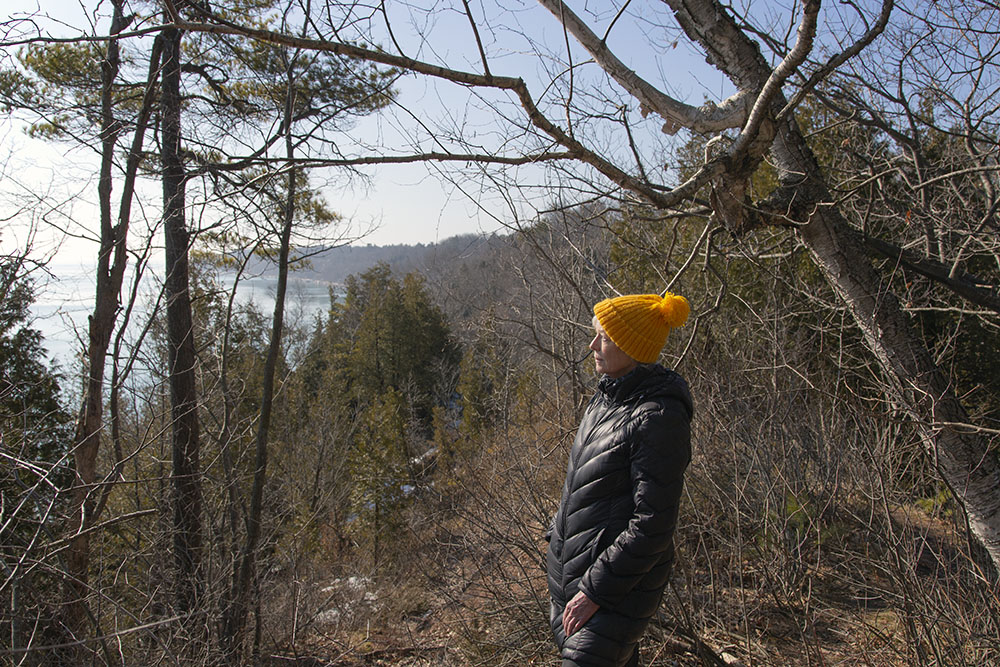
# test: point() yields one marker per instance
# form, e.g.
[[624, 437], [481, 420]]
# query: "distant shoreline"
[[60, 313]]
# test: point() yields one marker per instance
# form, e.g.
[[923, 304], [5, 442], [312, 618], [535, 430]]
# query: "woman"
[[611, 542]]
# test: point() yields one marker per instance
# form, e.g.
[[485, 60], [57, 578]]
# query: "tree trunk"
[[87, 436], [180, 341], [243, 575], [920, 388]]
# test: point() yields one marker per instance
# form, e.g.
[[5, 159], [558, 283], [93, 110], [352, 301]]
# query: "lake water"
[[311, 296], [64, 302]]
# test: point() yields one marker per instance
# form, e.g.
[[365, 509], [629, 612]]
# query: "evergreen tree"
[[398, 339], [35, 470]]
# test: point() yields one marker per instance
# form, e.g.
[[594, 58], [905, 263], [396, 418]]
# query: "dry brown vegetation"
[[811, 532]]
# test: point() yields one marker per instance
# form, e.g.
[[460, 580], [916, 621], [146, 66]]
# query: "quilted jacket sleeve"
[[660, 451]]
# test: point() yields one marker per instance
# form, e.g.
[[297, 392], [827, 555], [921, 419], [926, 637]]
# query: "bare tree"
[[879, 177], [765, 128], [100, 107]]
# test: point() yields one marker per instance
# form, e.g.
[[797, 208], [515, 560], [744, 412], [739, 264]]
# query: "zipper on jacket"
[[571, 479]]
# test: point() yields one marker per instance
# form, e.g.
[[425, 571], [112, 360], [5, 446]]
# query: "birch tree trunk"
[[918, 386]]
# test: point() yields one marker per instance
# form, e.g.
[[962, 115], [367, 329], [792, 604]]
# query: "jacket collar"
[[618, 389]]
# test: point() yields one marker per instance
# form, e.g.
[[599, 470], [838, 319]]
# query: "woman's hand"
[[578, 612]]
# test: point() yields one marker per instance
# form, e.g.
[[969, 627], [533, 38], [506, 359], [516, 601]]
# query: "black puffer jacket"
[[613, 534]]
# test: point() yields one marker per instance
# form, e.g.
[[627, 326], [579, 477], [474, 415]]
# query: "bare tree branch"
[[787, 67], [839, 59], [965, 285], [247, 161], [709, 118]]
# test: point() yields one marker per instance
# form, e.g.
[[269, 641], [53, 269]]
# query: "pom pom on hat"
[[675, 310], [639, 323]]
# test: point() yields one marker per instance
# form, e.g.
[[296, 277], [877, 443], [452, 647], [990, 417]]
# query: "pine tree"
[[35, 470]]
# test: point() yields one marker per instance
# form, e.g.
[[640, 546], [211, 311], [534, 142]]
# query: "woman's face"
[[608, 358]]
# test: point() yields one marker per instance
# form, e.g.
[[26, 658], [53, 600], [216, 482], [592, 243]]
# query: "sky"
[[51, 188], [396, 203], [48, 190]]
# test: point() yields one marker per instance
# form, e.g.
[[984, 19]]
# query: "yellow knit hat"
[[639, 323]]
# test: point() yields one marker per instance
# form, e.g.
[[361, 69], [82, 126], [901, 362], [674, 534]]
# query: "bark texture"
[[180, 340], [921, 389], [111, 262]]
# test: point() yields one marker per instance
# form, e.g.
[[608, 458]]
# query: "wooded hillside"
[[214, 484]]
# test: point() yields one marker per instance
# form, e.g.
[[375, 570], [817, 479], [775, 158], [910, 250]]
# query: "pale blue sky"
[[399, 203], [402, 203]]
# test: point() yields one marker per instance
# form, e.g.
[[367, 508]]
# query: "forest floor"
[[445, 619]]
